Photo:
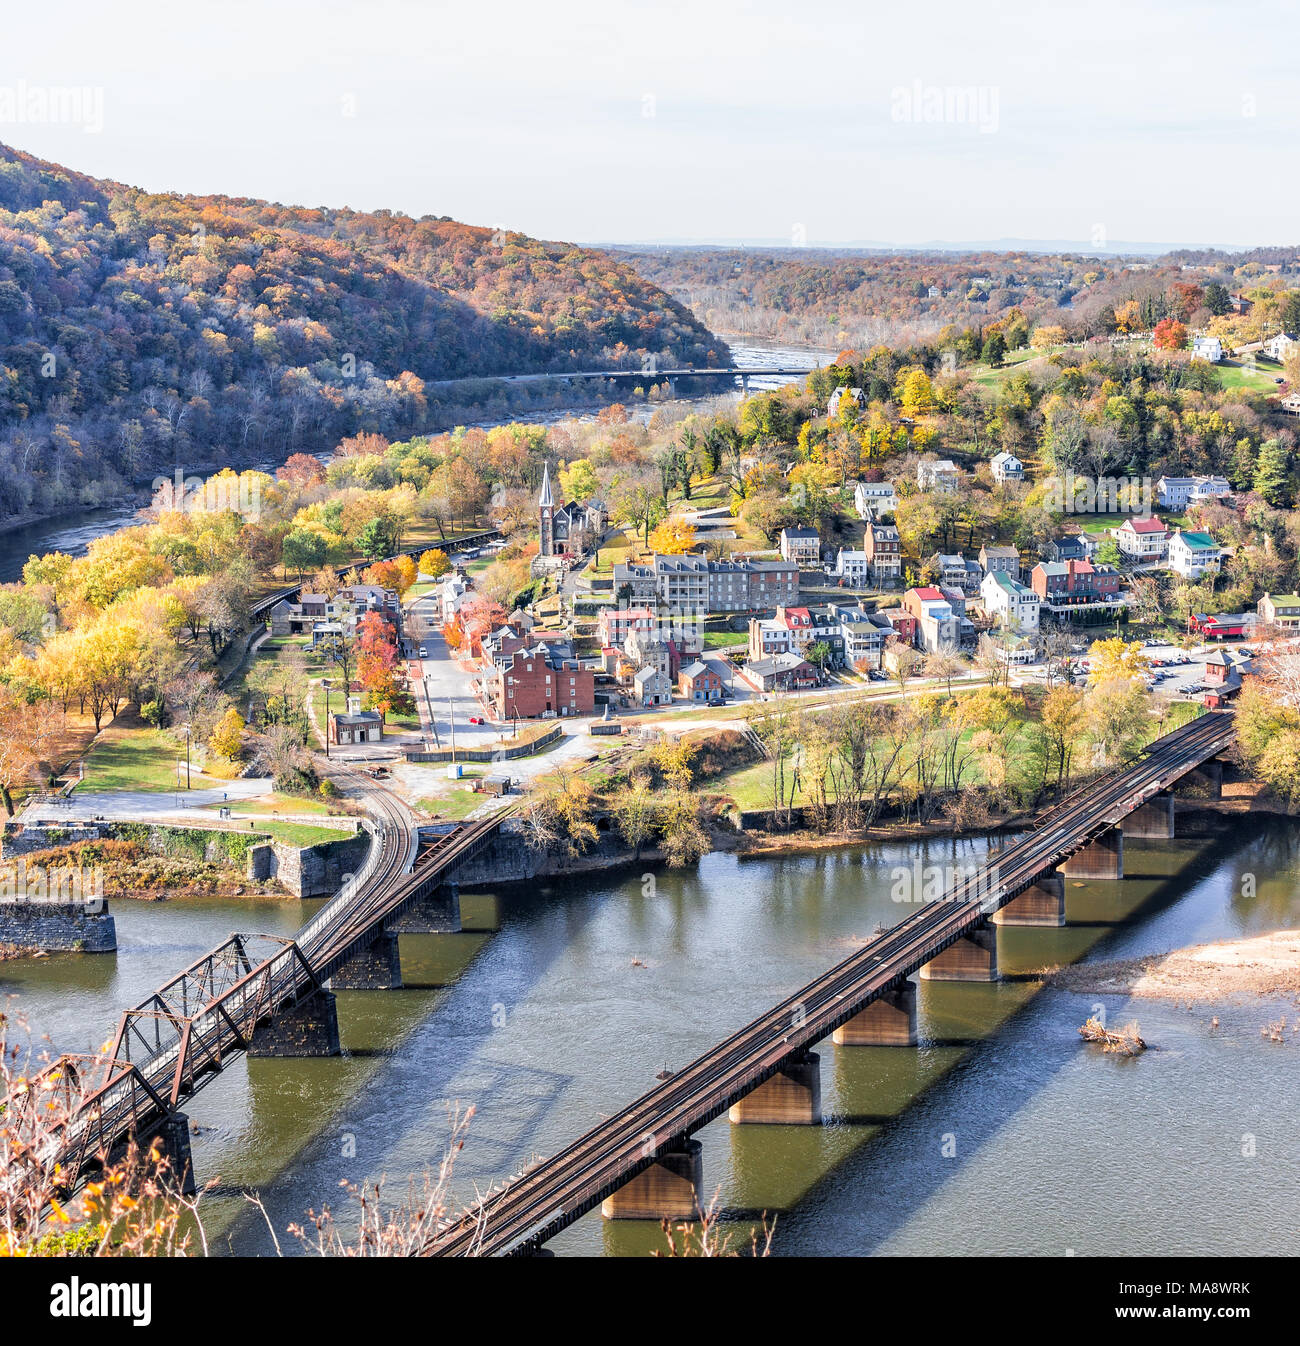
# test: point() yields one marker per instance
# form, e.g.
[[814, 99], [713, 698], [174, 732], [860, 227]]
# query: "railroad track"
[[560, 1190]]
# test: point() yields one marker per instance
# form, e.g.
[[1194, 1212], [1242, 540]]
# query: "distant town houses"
[[1072, 547], [652, 687], [854, 637], [1177, 493], [1010, 604], [1282, 346], [1142, 539], [1208, 348], [872, 499], [451, 594], [957, 571], [1077, 591], [939, 629], [884, 552], [781, 673], [1280, 610], [801, 545], [700, 682], [693, 586], [1000, 560], [1193, 554], [318, 615], [1006, 467], [937, 474]]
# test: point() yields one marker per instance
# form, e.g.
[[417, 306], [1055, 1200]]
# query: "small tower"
[[546, 514]]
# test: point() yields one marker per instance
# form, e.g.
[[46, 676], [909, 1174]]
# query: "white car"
[[424, 654]]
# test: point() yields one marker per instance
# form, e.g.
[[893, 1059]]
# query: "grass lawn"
[[1101, 523], [455, 805], [723, 640], [302, 834], [135, 757], [1260, 379]]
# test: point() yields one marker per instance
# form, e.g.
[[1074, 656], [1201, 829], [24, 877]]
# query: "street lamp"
[[187, 756], [328, 684]]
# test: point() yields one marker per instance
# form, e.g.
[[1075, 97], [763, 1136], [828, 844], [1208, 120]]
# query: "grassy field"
[[1261, 379], [454, 805], [273, 804], [302, 834], [135, 757]]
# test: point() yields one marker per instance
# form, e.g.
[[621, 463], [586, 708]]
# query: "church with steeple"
[[566, 530]]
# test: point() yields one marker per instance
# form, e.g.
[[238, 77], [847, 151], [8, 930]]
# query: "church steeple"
[[546, 514]]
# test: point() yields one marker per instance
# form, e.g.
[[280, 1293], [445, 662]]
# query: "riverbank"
[[1261, 965]]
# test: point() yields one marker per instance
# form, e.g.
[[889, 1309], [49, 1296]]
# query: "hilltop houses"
[[1142, 539], [884, 551], [1193, 554], [1004, 560], [1175, 493], [1011, 605], [692, 586], [855, 395], [1006, 467], [871, 499], [937, 474], [1208, 348], [801, 545], [1281, 347]]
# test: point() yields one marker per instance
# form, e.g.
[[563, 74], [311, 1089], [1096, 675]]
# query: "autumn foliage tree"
[[1170, 335]]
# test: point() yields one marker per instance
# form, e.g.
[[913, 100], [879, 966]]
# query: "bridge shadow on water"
[[900, 1124], [412, 1059]]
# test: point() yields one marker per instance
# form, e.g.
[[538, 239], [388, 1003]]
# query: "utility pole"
[[326, 683], [187, 756], [451, 716]]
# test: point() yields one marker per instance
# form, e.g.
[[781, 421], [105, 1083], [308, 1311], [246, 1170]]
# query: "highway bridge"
[[641, 1163], [258, 994], [645, 375]]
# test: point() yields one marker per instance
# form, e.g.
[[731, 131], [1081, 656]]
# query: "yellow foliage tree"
[[228, 735], [674, 537], [1116, 658]]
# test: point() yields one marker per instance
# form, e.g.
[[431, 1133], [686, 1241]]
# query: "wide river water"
[[1002, 1133]]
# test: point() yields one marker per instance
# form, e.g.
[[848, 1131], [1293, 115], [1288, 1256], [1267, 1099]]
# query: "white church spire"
[[545, 498]]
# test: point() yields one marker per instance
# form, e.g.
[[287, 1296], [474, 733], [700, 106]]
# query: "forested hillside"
[[140, 332]]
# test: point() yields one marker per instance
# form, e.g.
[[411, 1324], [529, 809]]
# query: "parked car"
[[424, 654], [476, 719]]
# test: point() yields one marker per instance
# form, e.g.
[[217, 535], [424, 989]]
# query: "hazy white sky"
[[576, 119]]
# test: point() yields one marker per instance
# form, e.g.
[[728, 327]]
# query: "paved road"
[[144, 804]]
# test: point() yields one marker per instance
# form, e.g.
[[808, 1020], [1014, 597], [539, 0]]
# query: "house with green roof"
[[1280, 610], [1193, 554]]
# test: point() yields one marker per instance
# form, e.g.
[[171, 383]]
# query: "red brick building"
[[530, 685], [699, 682]]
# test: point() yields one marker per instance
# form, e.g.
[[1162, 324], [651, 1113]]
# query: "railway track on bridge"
[[553, 1194], [170, 1045]]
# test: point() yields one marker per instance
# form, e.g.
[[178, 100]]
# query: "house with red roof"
[[1143, 540]]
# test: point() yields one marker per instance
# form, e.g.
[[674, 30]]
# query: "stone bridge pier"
[[670, 1189], [791, 1097], [889, 1021], [1042, 903], [1101, 858], [974, 957]]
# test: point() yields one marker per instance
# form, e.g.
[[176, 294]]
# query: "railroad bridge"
[[642, 1163], [254, 994]]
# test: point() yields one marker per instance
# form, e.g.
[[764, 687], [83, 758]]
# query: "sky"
[[710, 121]]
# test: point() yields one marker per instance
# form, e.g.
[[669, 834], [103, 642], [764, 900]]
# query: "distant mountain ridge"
[[139, 328]]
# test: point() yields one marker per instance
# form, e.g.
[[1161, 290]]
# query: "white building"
[[451, 594], [937, 474], [858, 397], [1006, 467], [1009, 603], [871, 499], [1281, 347], [1193, 554], [1207, 348], [1142, 539], [802, 546], [852, 566]]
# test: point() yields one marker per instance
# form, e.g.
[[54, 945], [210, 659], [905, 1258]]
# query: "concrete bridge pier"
[[309, 1028], [172, 1143], [1102, 858], [437, 913], [974, 957], [670, 1189], [1154, 821], [377, 968], [1204, 781], [887, 1022], [791, 1097], [1042, 903]]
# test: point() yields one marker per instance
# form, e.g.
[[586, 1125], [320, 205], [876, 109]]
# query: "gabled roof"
[[1147, 525], [1199, 541], [694, 670], [929, 594]]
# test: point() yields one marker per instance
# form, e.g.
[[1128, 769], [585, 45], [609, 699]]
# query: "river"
[[1003, 1133], [74, 531]]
